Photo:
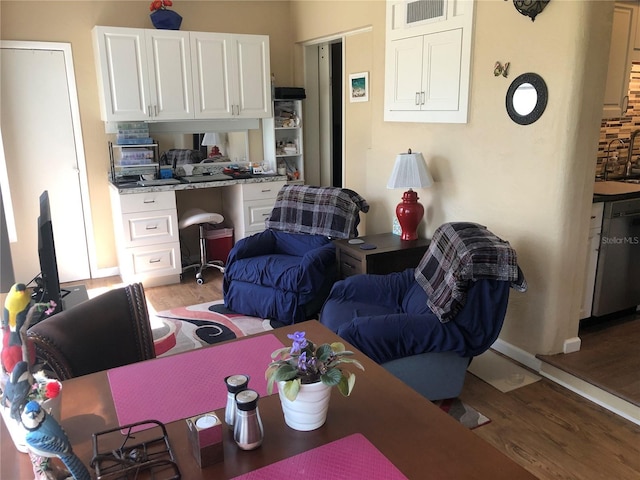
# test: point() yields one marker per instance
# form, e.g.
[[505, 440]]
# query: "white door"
[[405, 85], [43, 151]]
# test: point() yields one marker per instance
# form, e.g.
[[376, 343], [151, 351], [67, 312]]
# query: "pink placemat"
[[180, 386], [349, 458]]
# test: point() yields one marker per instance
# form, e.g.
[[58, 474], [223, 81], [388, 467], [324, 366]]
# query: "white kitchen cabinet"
[[248, 205], [616, 95], [143, 74], [159, 75], [595, 232], [232, 75], [147, 237], [282, 139], [428, 61]]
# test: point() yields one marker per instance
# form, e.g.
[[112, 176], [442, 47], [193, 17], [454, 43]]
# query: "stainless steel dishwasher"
[[618, 274]]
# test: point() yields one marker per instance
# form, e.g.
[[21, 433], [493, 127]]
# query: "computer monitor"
[[49, 283]]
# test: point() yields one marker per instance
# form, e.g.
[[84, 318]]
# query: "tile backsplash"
[[621, 128]]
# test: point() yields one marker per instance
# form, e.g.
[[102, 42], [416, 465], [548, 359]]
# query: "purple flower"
[[299, 342], [302, 362]]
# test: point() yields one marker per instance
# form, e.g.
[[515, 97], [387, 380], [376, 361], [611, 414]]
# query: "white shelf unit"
[[282, 139]]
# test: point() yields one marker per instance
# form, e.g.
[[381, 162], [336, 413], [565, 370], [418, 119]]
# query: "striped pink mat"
[[350, 458], [181, 386]]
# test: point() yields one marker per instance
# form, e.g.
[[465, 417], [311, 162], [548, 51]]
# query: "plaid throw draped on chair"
[[328, 211], [460, 253]]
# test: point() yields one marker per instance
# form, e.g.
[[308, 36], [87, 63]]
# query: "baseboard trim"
[[595, 394], [614, 404]]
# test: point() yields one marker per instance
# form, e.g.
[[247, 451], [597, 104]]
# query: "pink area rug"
[[186, 328]]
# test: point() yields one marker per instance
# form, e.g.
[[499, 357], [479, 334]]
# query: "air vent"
[[422, 10]]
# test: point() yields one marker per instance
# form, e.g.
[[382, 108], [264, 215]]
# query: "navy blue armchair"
[[286, 272]]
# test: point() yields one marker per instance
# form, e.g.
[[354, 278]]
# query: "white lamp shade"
[[211, 139], [410, 171]]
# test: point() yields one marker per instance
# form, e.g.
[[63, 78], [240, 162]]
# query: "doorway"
[[324, 145], [43, 150]]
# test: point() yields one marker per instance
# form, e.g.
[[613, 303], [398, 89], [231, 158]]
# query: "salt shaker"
[[235, 384], [247, 429]]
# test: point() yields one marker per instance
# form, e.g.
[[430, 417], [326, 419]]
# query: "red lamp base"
[[409, 213]]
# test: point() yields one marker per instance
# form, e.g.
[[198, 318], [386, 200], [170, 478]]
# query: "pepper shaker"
[[235, 384], [247, 429]]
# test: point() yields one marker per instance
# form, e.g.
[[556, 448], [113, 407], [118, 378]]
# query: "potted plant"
[[162, 18], [305, 374]]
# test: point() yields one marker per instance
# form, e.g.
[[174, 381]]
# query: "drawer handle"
[[155, 260], [266, 191], [151, 227], [266, 214], [149, 201], [347, 265]]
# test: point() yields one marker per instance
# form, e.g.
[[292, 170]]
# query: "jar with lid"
[[235, 384], [247, 429]]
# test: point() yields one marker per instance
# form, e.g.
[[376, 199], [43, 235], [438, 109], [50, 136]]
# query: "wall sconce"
[[410, 171], [530, 8]]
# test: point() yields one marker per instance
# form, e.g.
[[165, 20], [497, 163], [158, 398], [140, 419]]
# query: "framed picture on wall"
[[359, 87]]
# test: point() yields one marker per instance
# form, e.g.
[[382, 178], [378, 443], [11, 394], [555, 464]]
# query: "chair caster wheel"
[[199, 281]]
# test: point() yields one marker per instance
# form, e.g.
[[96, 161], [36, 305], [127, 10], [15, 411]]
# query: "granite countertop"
[[131, 188], [611, 191]]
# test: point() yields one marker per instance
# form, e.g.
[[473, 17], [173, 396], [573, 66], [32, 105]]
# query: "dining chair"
[[104, 332]]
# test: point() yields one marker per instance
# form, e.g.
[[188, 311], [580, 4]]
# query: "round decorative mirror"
[[526, 98]]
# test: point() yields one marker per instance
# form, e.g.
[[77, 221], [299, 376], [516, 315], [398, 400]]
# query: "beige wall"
[[529, 184], [72, 21]]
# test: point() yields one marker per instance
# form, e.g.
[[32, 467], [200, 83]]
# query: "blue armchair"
[[286, 272], [425, 325]]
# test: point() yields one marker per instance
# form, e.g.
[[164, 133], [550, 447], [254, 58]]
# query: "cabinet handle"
[[149, 110], [625, 104], [155, 260], [266, 190], [151, 227], [148, 201], [155, 110], [422, 96], [417, 98]]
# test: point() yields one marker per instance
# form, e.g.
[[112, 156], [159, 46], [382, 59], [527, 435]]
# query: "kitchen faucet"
[[605, 165], [628, 167]]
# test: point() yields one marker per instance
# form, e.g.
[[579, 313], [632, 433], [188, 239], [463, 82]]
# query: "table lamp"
[[213, 140], [410, 171]]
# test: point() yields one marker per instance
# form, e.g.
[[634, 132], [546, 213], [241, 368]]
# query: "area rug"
[[187, 328]]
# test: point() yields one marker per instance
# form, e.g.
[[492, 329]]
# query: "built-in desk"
[[145, 220]]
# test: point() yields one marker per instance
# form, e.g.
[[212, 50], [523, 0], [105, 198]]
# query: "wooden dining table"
[[412, 433]]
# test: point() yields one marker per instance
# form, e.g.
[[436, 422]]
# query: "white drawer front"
[[261, 191], [156, 227], [256, 213], [155, 260], [146, 202]]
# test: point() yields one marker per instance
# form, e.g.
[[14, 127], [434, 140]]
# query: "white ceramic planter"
[[309, 410]]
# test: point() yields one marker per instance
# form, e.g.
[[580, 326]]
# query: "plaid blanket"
[[458, 254], [329, 211]]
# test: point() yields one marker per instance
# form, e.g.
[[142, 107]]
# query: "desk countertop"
[[127, 189]]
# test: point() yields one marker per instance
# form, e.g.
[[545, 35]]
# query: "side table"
[[390, 255]]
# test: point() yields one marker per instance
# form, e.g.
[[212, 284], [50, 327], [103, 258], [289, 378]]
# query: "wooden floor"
[[551, 431], [609, 357]]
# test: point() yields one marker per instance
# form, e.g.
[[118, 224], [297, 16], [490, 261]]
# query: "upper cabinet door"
[[620, 58], [210, 61], [253, 76], [169, 62], [123, 75], [404, 80]]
